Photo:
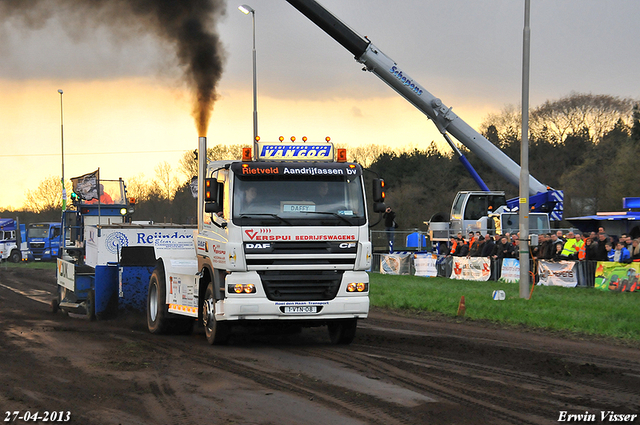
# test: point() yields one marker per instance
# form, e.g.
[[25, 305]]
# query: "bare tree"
[[554, 120], [138, 188], [47, 196], [188, 165], [167, 182], [577, 111], [366, 154], [507, 124]]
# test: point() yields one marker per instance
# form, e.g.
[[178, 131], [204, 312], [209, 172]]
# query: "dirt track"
[[399, 370]]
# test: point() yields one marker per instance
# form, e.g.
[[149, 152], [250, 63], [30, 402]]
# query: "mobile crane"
[[542, 198]]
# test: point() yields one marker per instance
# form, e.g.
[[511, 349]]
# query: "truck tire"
[[217, 332], [157, 320], [15, 256], [55, 305], [91, 305], [343, 331]]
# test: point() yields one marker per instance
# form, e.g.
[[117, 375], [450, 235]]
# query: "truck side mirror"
[[378, 190], [378, 196], [213, 193]]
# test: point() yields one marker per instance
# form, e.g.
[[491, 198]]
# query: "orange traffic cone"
[[461, 307]]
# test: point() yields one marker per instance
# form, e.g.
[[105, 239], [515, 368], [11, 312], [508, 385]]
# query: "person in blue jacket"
[[610, 251], [621, 254]]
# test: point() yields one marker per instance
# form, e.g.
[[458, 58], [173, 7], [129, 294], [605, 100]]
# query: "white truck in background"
[[13, 241], [281, 239]]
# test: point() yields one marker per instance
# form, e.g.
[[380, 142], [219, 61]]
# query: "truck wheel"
[[343, 331], [15, 256], [91, 305], [55, 305], [217, 332], [157, 320]]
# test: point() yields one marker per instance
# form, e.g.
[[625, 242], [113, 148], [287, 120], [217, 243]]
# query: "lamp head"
[[246, 9], [60, 91]]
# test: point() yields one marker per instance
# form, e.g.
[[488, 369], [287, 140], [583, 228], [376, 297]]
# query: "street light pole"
[[64, 191], [249, 10], [524, 159]]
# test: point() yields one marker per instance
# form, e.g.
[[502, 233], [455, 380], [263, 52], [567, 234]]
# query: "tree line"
[[586, 145]]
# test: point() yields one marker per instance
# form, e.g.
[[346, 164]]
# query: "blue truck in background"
[[44, 240]]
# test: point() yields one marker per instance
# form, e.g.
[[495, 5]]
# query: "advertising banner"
[[472, 268], [618, 277], [510, 270], [561, 273], [395, 264], [425, 265]]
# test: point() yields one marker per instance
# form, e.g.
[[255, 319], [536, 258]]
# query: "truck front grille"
[[296, 285]]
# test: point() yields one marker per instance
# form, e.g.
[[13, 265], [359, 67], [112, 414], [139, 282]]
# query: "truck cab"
[[485, 212], [284, 239], [13, 240], [44, 240]]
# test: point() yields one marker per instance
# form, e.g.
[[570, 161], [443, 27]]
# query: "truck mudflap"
[[181, 275]]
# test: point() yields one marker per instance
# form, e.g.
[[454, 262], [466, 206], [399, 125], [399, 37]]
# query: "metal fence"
[[585, 269], [402, 240]]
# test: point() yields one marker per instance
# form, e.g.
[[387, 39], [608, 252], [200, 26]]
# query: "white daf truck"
[[282, 237]]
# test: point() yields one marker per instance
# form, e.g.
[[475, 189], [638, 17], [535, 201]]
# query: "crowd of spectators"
[[594, 246]]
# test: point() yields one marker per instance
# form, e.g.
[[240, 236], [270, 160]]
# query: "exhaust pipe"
[[202, 169]]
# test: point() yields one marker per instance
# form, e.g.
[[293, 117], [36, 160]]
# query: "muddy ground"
[[399, 370]]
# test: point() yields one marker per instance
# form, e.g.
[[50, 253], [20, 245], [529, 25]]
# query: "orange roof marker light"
[[304, 138], [293, 138], [281, 138], [246, 155], [328, 139]]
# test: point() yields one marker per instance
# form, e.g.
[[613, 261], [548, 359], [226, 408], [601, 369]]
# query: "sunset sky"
[[127, 108]]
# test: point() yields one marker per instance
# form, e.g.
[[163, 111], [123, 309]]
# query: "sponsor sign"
[[395, 264], [618, 277], [103, 245], [510, 270], [270, 234], [285, 151], [562, 273], [425, 265], [472, 268]]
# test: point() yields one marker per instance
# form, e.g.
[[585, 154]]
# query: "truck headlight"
[[357, 287], [239, 288]]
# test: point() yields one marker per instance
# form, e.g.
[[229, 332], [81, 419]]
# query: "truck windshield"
[[38, 232], [300, 199], [538, 223]]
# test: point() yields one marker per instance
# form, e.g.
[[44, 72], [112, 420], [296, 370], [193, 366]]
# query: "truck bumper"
[[258, 307]]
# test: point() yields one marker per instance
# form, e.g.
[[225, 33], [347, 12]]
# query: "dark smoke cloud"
[[187, 25]]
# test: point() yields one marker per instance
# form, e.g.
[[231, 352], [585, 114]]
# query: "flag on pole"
[[86, 186]]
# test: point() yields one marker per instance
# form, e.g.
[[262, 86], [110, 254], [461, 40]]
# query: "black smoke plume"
[[187, 25]]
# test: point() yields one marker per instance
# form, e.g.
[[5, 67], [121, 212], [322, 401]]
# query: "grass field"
[[577, 310], [583, 311], [44, 265]]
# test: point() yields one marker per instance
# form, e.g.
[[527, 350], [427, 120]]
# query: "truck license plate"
[[305, 309]]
